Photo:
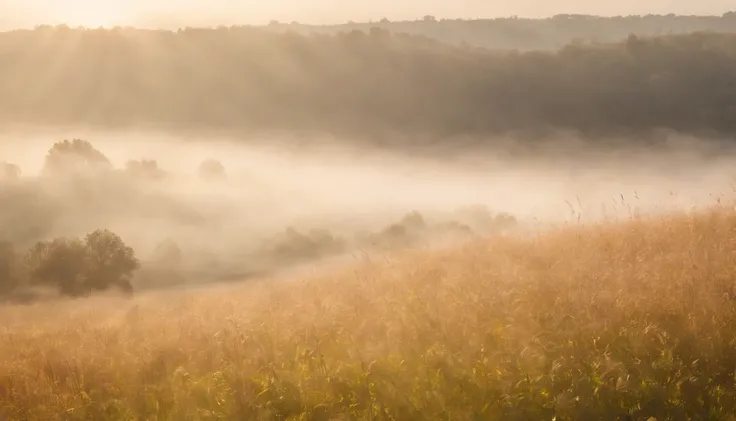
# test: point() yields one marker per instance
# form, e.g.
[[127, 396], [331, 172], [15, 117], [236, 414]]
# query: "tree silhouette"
[[74, 156], [293, 246], [407, 231], [78, 268], [414, 221], [212, 169], [60, 263], [145, 168], [110, 262]]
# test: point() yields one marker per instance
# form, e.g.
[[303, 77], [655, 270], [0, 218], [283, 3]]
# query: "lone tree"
[[75, 156], [78, 268], [110, 262]]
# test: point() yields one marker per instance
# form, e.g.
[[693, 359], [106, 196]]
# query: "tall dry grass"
[[623, 321]]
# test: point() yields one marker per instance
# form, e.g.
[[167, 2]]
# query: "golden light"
[[90, 13]]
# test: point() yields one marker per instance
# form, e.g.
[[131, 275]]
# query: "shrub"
[[401, 234], [504, 221], [454, 229], [212, 169], [294, 246], [482, 219], [414, 222], [145, 168]]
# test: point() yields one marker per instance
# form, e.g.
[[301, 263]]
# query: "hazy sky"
[[108, 12]]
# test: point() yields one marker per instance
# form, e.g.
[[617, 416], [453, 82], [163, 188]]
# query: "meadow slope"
[[618, 321]]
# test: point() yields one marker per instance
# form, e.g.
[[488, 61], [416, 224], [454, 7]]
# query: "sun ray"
[[91, 13]]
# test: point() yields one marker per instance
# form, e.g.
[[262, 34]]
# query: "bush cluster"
[[72, 266], [33, 259]]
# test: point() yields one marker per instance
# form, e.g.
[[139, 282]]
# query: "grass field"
[[623, 321]]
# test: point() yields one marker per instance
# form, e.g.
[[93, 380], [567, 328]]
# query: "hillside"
[[359, 85], [618, 321]]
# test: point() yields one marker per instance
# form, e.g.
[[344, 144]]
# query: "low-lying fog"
[[270, 186]]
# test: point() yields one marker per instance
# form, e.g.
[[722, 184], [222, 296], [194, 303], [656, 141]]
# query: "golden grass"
[[624, 321]]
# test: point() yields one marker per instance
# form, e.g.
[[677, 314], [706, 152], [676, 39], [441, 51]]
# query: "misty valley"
[[202, 226], [266, 211], [440, 219]]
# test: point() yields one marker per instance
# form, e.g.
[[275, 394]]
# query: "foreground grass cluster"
[[624, 321]]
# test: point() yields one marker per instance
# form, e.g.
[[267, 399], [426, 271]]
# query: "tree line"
[[530, 34], [363, 84]]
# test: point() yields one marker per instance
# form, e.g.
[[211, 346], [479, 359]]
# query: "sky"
[[15, 13]]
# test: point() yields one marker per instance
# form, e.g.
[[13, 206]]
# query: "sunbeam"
[[90, 13]]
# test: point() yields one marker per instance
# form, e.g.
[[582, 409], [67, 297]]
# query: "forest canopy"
[[363, 83], [515, 32]]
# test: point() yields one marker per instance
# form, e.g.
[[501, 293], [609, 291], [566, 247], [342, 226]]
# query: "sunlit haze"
[[20, 13], [367, 210]]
